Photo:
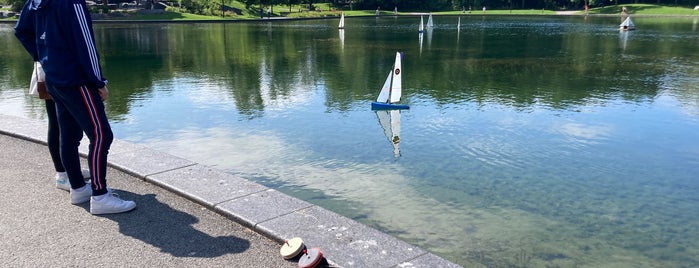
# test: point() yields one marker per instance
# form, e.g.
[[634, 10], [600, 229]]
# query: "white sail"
[[386, 89], [342, 21], [627, 24], [430, 24], [396, 83], [458, 25], [422, 25]]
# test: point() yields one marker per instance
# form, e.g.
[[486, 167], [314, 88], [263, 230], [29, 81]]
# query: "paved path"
[[188, 215], [40, 228]]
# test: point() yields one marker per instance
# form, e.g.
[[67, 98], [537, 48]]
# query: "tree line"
[[419, 5], [447, 5]]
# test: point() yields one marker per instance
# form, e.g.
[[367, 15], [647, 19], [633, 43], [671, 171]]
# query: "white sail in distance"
[[421, 28], [342, 21]]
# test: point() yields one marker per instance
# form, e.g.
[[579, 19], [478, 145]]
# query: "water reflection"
[[420, 38], [390, 123], [458, 32], [623, 39]]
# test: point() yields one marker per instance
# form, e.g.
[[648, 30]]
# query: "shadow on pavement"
[[171, 230]]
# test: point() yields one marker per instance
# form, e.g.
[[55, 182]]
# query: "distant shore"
[[166, 17]]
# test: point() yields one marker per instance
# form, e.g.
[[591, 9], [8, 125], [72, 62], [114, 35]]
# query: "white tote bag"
[[37, 87]]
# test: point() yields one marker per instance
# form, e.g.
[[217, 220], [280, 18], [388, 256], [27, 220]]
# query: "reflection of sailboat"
[[390, 122], [627, 25], [623, 39], [421, 28], [420, 38], [342, 38], [458, 31], [391, 91], [429, 37], [430, 24], [342, 21]]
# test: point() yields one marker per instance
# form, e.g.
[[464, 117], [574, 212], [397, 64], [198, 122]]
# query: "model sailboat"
[[430, 24], [391, 91], [627, 25], [342, 21]]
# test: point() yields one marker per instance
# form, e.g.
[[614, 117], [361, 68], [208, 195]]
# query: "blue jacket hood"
[[58, 33]]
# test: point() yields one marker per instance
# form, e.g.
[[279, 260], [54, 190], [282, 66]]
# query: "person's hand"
[[104, 93]]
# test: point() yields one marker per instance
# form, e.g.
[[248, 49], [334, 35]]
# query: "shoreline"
[[579, 13]]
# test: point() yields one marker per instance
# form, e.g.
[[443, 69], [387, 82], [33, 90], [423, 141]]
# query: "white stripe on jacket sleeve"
[[87, 36]]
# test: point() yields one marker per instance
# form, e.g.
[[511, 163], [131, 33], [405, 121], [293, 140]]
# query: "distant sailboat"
[[391, 91], [342, 21], [627, 25], [421, 28], [430, 24], [390, 122], [458, 25]]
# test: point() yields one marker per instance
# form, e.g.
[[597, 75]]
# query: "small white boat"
[[391, 91], [627, 25], [342, 21], [430, 24]]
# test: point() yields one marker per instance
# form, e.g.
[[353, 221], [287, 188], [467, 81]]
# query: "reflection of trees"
[[15, 63], [528, 69], [15, 71], [258, 64], [124, 49]]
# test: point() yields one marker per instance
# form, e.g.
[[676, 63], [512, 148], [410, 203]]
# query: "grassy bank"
[[324, 10], [645, 9]]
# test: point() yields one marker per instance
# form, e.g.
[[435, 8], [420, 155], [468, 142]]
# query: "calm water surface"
[[530, 142]]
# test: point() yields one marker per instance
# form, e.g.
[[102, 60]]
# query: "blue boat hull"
[[388, 106]]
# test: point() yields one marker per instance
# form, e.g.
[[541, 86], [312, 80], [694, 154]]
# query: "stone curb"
[[344, 242]]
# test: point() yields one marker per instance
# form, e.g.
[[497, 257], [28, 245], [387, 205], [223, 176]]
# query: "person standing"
[[38, 88], [58, 34]]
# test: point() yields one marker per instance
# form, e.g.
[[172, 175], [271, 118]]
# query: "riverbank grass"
[[646, 9]]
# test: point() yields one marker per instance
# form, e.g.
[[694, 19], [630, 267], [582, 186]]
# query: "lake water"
[[531, 141]]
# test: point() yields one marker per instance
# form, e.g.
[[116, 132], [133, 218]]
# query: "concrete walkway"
[[188, 215]]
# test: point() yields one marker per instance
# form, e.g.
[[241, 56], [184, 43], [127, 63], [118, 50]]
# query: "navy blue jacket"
[[58, 33]]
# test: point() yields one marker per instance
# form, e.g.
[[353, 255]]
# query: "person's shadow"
[[171, 230]]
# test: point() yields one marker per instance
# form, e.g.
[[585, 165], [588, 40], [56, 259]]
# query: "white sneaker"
[[86, 175], [63, 183], [81, 195], [110, 203]]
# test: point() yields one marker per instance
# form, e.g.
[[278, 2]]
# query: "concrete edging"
[[345, 242]]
